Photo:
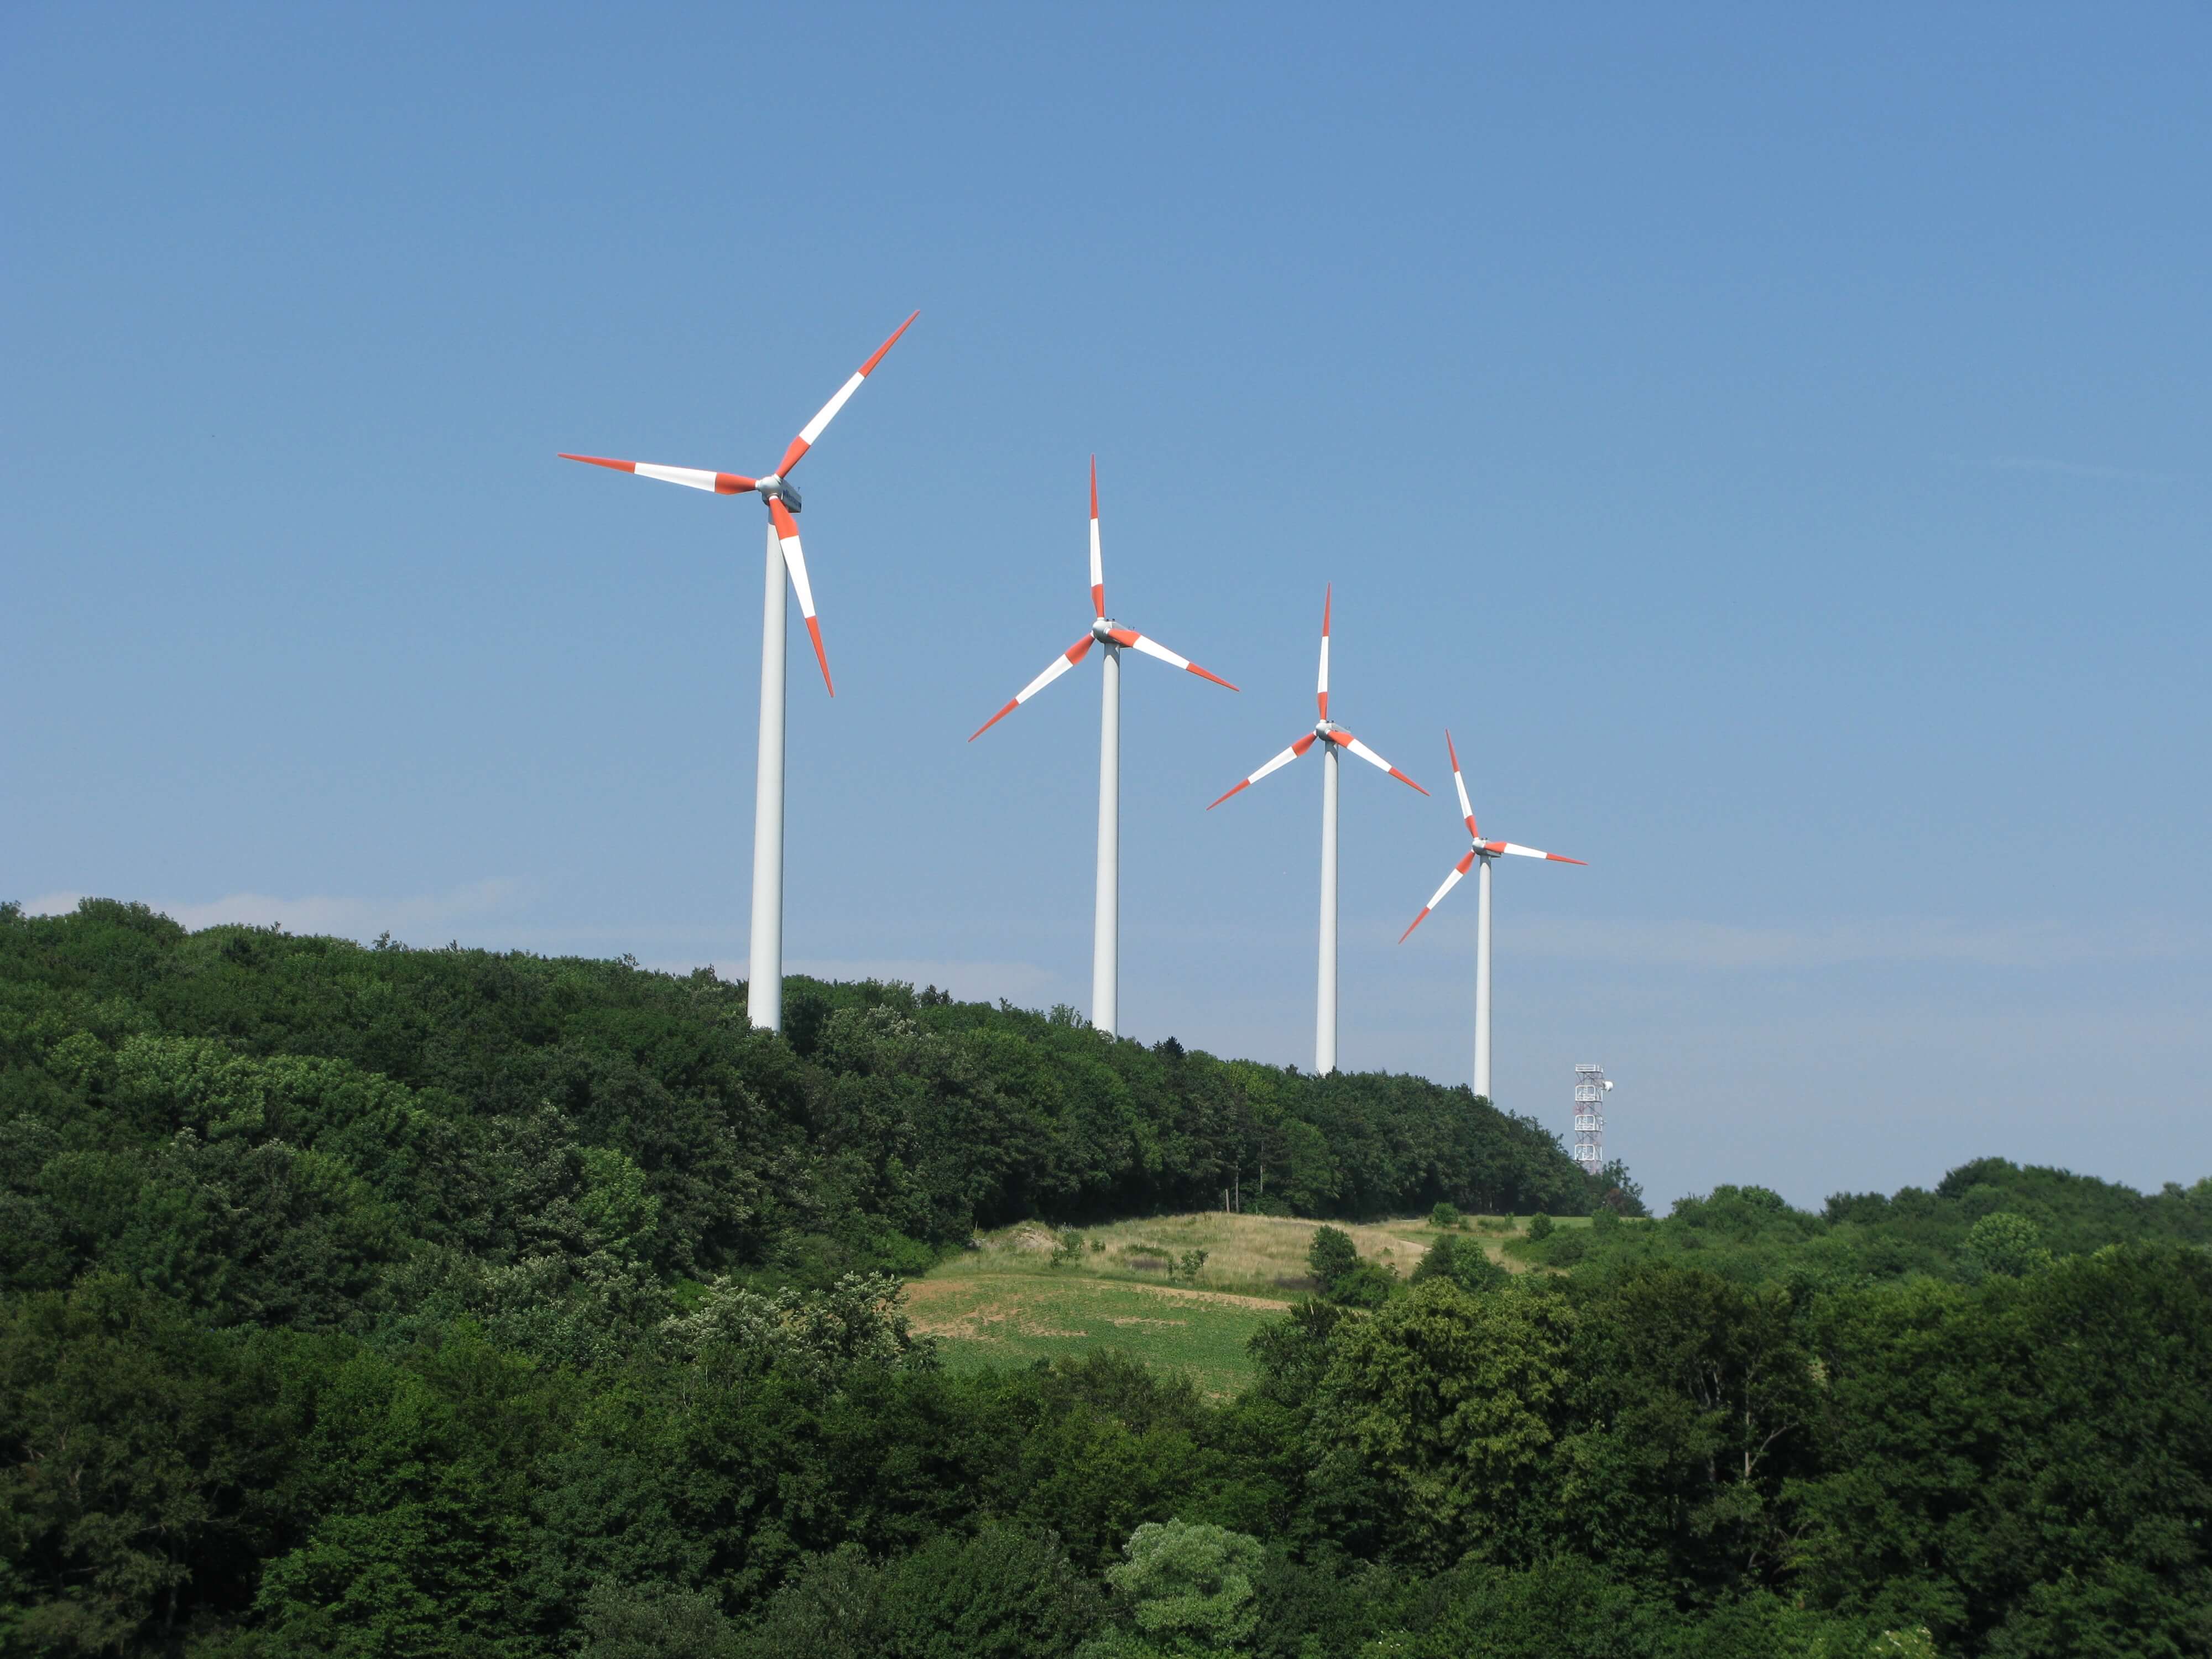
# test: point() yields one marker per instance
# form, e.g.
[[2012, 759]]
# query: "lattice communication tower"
[[1590, 1086]]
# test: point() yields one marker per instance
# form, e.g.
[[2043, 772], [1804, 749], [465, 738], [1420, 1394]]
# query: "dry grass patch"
[[1257, 1255]]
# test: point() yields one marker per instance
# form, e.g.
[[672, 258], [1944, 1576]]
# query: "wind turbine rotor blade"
[[1465, 809], [1152, 648], [1320, 691], [1345, 739], [1531, 852], [1437, 897], [1283, 759], [813, 429], [1061, 664], [1098, 564], [692, 477], [794, 561]]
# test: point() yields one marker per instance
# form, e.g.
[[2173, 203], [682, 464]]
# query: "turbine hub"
[[775, 487], [1102, 631]]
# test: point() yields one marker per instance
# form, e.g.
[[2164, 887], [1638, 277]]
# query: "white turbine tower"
[[1485, 852], [764, 989], [1106, 936], [1337, 738]]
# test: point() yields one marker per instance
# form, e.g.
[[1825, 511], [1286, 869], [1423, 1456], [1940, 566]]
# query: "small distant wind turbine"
[[1485, 852], [764, 991], [1336, 738], [1106, 934]]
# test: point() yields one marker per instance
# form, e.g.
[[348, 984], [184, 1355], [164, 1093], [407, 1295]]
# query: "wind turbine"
[[1335, 738], [1106, 933], [1485, 852], [764, 990]]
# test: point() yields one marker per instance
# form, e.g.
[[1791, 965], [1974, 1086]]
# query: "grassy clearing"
[[1014, 1318], [1011, 1301]]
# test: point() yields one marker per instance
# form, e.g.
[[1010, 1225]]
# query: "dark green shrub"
[[1331, 1255], [1464, 1262], [1369, 1285], [1343, 1278]]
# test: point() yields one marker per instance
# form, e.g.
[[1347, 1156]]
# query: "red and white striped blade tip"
[[1098, 564], [1466, 807], [1152, 648], [794, 562], [692, 477], [813, 429], [1060, 665], [1466, 864], [1533, 853], [1345, 739], [1321, 688], [1283, 759], [1010, 708]]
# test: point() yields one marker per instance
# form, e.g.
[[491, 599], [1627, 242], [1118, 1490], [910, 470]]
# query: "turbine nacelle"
[[775, 489], [1102, 630]]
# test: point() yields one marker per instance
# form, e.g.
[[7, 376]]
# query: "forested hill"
[[309, 1132], [433, 1304]]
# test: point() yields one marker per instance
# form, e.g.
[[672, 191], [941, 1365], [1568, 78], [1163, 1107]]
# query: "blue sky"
[[1776, 445]]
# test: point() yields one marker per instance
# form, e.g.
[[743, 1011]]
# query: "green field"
[[1011, 1319], [1011, 1301]]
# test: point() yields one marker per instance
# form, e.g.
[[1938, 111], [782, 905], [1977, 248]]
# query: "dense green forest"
[[379, 1301]]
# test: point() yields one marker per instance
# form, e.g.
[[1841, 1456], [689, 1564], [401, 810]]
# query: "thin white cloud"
[[429, 919], [323, 913], [1023, 983], [1722, 945], [422, 919]]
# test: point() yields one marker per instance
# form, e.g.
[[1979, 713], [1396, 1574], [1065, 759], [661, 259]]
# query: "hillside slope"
[[305, 1132]]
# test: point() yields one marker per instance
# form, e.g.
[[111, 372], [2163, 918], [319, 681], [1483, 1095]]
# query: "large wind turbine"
[[1336, 738], [1106, 933], [1486, 853], [764, 990]]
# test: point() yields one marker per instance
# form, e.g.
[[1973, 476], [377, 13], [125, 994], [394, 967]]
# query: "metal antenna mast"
[[1590, 1086]]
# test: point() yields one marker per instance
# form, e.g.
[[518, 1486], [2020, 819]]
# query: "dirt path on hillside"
[[1218, 1299], [968, 1305]]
